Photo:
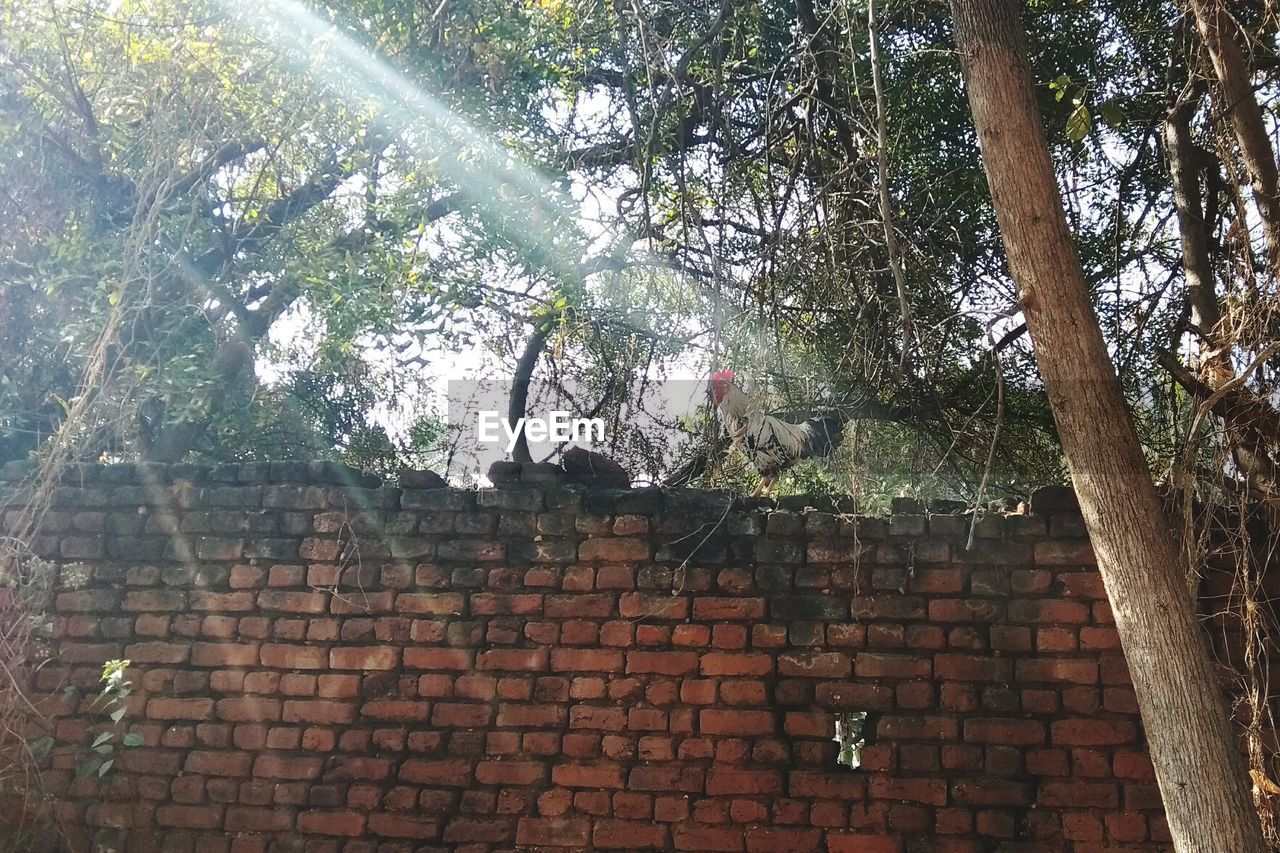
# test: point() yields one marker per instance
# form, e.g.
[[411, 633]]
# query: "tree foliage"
[[265, 231]]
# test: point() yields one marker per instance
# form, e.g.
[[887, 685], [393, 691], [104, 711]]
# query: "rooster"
[[772, 444]]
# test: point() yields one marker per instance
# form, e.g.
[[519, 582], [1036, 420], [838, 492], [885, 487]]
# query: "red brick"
[[553, 832], [585, 606], [1099, 639], [801, 724], [218, 763], [588, 775], [586, 660], [417, 657], [157, 652], [662, 663], [456, 715], [1058, 552], [402, 826], [854, 696], [965, 610], [665, 778], [730, 780], [917, 728], [990, 792], [294, 657], [345, 823], [1127, 826], [510, 772], [224, 654], [364, 658], [1010, 638], [255, 819], [150, 600], [726, 663], [628, 835], [627, 550], [396, 710], [293, 602], [846, 842], [1058, 669], [1093, 732], [323, 711], [929, 791], [531, 716], [430, 603], [771, 840], [268, 766], [814, 664], [1133, 765], [597, 717], [451, 772], [1075, 793], [875, 665], [513, 660], [971, 668], [248, 709], [1049, 612], [641, 605], [161, 708], [710, 608], [742, 723], [693, 837], [190, 817], [1016, 732], [490, 604], [744, 692]]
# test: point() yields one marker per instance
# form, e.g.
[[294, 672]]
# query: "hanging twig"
[[886, 206]]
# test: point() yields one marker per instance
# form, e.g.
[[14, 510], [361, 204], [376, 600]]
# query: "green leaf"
[[106, 765], [118, 714], [1112, 114], [1078, 123], [39, 748], [133, 739], [101, 739]]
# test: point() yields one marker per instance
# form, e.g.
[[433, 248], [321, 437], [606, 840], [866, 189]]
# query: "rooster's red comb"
[[722, 376]]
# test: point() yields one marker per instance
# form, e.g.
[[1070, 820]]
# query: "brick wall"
[[321, 663]]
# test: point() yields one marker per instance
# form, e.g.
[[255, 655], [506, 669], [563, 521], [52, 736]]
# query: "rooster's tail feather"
[[825, 433]]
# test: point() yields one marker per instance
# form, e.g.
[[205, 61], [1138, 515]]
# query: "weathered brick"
[[1006, 731], [364, 658], [341, 823], [873, 665], [547, 832], [662, 663], [718, 721], [513, 660], [586, 660], [815, 664], [434, 604], [1093, 732], [733, 780], [710, 608]]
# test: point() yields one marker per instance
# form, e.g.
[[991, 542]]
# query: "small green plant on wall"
[[110, 700]]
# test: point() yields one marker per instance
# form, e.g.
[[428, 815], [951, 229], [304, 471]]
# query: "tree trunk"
[[1218, 31], [519, 402], [1198, 763], [1184, 170]]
